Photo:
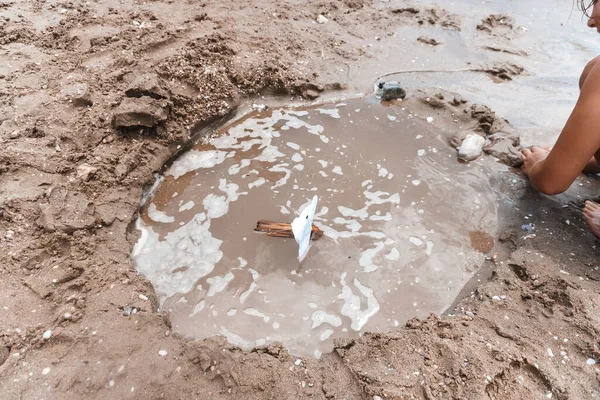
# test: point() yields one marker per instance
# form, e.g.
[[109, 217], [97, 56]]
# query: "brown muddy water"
[[406, 225]]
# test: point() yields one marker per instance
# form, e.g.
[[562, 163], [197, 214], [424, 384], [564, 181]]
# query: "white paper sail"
[[302, 227]]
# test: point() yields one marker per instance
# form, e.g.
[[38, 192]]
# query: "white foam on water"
[[351, 307], [367, 256], [383, 172], [421, 152], [257, 183], [348, 212], [333, 112], [281, 168], [293, 145], [239, 341], [218, 283], [191, 250], [297, 157], [323, 163], [326, 334], [236, 168], [320, 317], [284, 210], [194, 159], [158, 216], [199, 307], [429, 247], [337, 170], [187, 206], [253, 312], [393, 255], [386, 217], [415, 240], [377, 197], [248, 292]]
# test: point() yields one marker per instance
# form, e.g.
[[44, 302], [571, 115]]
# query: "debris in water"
[[471, 148], [391, 90]]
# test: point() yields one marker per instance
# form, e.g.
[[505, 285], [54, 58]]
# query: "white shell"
[[471, 147]]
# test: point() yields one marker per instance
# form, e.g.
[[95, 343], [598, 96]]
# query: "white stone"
[[85, 171], [321, 19], [142, 297], [47, 335], [471, 148], [162, 353]]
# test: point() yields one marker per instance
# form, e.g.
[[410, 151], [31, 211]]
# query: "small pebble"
[[47, 335], [46, 371], [14, 135], [590, 361], [142, 297], [430, 119], [496, 298], [321, 19], [298, 362], [162, 353]]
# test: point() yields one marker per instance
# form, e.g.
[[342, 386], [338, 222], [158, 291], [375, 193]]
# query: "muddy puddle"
[[406, 225]]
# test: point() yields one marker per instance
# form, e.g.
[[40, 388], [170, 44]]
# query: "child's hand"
[[531, 157]]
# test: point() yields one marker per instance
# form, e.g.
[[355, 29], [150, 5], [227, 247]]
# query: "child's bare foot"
[[591, 214]]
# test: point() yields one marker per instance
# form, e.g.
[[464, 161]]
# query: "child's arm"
[[576, 145]]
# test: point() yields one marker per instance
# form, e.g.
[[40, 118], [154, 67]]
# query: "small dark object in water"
[[391, 90]]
